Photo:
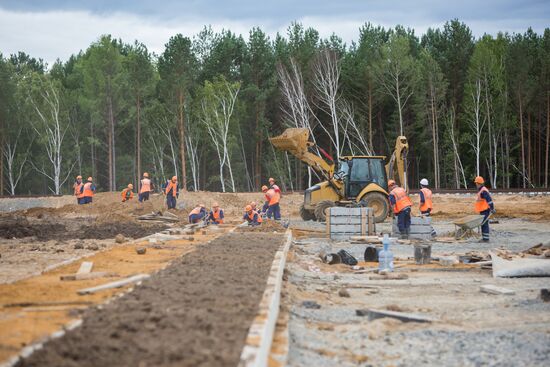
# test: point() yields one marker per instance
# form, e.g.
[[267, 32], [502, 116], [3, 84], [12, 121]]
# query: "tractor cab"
[[359, 171]]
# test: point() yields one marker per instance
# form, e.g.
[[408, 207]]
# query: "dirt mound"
[[266, 226], [19, 227], [110, 230], [196, 312]]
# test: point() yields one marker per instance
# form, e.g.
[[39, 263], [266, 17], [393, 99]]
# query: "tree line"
[[204, 108]]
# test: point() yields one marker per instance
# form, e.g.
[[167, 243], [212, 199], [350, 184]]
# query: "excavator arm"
[[296, 142], [396, 169]]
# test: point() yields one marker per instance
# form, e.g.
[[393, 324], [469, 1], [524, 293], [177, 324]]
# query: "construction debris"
[[85, 267], [403, 316], [493, 289], [520, 267], [117, 284], [159, 217], [88, 276]]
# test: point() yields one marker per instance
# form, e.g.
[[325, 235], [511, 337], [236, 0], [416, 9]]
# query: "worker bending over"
[[252, 216], [216, 214], [401, 204], [145, 187], [78, 188], [127, 193], [172, 192], [272, 208], [484, 206], [426, 205], [88, 191], [197, 214]]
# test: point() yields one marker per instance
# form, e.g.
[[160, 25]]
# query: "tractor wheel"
[[379, 203], [320, 209], [306, 214]]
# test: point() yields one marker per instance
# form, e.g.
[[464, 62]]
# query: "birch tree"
[[15, 159], [217, 107]]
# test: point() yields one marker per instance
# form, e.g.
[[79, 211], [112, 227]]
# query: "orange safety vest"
[[481, 204], [276, 188], [251, 216], [273, 196], [77, 189], [88, 192], [424, 207], [125, 192], [145, 186], [402, 200], [172, 185], [197, 210], [260, 220], [216, 216]]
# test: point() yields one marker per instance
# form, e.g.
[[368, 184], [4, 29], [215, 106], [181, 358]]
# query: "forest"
[[204, 108]]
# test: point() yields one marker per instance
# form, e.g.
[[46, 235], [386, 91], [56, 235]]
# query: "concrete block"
[[493, 289]]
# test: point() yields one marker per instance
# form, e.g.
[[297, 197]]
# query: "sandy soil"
[[196, 312]]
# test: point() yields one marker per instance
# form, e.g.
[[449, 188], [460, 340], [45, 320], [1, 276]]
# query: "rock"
[[545, 295], [78, 246], [311, 304], [189, 231], [92, 247], [141, 250], [344, 293], [492, 289], [546, 253], [361, 312], [120, 238]]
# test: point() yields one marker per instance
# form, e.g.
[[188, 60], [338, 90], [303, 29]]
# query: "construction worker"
[[251, 216], [273, 186], [172, 192], [88, 191], [127, 193], [254, 206], [77, 187], [426, 205], [145, 187], [197, 214], [271, 207], [401, 204], [216, 214], [484, 206]]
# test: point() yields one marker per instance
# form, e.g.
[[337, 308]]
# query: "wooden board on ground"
[[88, 276], [85, 267], [117, 284]]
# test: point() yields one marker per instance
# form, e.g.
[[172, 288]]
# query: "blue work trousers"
[[485, 226], [144, 196], [274, 211], [404, 220], [171, 202]]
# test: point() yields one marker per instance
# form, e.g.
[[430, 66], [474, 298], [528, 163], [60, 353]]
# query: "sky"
[[51, 29]]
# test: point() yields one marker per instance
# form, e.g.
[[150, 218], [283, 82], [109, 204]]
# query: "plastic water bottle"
[[385, 257]]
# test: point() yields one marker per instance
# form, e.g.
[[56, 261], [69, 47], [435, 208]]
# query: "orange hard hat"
[[145, 174], [79, 177], [479, 180], [90, 178], [391, 183], [130, 186], [271, 179], [174, 178], [248, 208], [264, 188]]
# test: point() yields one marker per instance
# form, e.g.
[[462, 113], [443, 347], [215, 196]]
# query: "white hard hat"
[[424, 182]]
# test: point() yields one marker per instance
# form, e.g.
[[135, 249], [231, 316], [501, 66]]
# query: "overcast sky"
[[51, 29]]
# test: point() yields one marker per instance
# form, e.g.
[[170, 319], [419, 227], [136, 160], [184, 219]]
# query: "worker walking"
[[145, 188], [272, 209], [216, 214], [251, 216], [88, 191], [172, 192], [426, 205], [127, 193], [401, 204], [484, 206], [78, 188], [197, 214]]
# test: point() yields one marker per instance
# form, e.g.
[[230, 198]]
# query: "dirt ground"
[[196, 312]]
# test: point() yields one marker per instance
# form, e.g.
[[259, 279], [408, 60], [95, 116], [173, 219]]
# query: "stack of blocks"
[[342, 223], [421, 228]]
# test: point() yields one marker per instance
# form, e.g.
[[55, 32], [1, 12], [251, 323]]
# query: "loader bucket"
[[292, 140]]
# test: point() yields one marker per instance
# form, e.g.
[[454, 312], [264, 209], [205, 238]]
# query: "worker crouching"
[[216, 214], [172, 192], [484, 206], [251, 216], [401, 204], [127, 193], [197, 214]]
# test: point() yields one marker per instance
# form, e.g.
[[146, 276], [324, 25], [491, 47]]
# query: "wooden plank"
[[493, 289], [88, 276], [85, 267], [45, 304], [117, 284], [374, 314]]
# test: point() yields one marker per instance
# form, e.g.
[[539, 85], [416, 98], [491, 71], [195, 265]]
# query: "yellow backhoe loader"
[[356, 181]]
